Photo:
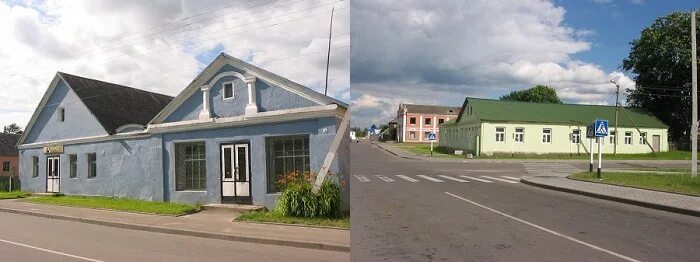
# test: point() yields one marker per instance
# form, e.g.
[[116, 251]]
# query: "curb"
[[394, 153], [649, 189], [192, 233], [672, 209]]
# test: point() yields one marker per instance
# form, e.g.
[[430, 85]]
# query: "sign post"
[[601, 131], [431, 137], [590, 135]]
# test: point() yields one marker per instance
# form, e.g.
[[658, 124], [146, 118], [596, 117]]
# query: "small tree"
[[12, 129], [537, 94]]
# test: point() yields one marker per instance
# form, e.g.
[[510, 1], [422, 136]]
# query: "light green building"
[[486, 126]]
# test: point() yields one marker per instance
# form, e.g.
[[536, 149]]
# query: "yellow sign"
[[53, 149]]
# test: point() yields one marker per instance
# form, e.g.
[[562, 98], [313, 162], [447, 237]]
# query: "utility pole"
[[328, 60], [617, 111], [694, 122]]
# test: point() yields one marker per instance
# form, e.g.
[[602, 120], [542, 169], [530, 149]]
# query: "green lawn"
[[119, 204], [274, 217], [671, 155], [424, 149], [13, 194], [678, 183]]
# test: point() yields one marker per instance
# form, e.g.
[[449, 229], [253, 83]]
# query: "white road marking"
[[545, 229], [478, 179], [500, 179], [430, 178], [50, 251], [510, 177], [454, 179], [386, 179], [362, 178], [407, 178]]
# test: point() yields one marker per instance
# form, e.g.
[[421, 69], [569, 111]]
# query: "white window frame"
[[628, 135], [519, 136], [223, 90], [613, 137], [575, 137], [642, 137], [546, 136], [502, 135]]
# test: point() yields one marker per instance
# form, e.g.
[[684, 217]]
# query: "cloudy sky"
[[161, 45], [438, 52]]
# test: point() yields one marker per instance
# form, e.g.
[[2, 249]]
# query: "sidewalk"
[[402, 153], [677, 203], [215, 224]]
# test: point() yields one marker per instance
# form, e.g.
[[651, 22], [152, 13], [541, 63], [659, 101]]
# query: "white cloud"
[[155, 46], [440, 53]]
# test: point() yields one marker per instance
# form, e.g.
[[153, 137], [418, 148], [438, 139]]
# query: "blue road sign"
[[431, 136], [601, 128]]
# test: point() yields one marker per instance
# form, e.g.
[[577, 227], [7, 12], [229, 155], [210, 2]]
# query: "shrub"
[[298, 199]]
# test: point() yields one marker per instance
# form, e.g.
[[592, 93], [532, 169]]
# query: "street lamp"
[[617, 109]]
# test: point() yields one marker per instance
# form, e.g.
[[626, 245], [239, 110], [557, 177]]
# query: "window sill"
[[191, 191]]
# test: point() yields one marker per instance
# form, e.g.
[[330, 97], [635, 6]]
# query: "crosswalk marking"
[[430, 178], [362, 178], [454, 179], [386, 179], [500, 179], [409, 179], [510, 177], [477, 179]]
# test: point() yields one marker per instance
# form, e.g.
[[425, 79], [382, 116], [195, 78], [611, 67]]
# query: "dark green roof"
[[570, 114]]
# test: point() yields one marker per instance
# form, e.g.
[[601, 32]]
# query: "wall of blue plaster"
[[125, 168], [319, 142], [269, 97], [79, 121]]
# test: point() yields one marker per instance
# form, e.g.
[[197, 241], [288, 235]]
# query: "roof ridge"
[[102, 81], [526, 102]]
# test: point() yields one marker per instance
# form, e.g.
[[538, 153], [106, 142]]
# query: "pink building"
[[415, 122], [9, 155]]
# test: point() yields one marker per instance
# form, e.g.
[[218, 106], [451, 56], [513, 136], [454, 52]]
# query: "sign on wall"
[[53, 149]]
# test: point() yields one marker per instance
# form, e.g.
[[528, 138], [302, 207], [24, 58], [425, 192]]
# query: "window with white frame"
[[412, 135], [73, 162], [92, 165], [190, 166], [228, 90], [547, 135], [642, 138], [35, 166], [500, 134], [576, 136], [613, 138], [519, 135], [628, 138]]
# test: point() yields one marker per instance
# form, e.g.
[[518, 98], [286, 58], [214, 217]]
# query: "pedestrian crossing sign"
[[601, 128], [431, 136]]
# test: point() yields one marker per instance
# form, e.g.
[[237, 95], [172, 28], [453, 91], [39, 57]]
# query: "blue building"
[[226, 138]]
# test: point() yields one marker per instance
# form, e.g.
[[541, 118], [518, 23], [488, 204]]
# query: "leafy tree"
[[538, 94], [12, 129], [660, 60], [359, 132]]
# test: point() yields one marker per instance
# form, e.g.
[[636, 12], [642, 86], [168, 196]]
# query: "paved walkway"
[[678, 203], [215, 224]]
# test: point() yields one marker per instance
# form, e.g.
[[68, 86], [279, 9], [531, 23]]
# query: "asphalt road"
[[28, 238], [401, 212]]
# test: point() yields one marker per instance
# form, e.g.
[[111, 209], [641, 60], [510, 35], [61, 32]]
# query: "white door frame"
[[235, 181], [53, 174]]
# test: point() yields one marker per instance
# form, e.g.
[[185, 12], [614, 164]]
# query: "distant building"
[[352, 135], [415, 122], [9, 155], [487, 126]]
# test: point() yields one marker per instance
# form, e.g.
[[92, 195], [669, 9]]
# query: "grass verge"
[[424, 150], [119, 204], [670, 155], [13, 194], [274, 217], [674, 183]]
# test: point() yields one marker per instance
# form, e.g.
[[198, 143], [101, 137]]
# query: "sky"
[[439, 52], [162, 45]]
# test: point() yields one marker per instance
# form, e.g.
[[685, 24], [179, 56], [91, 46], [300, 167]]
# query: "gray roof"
[[116, 105], [431, 109], [8, 144]]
